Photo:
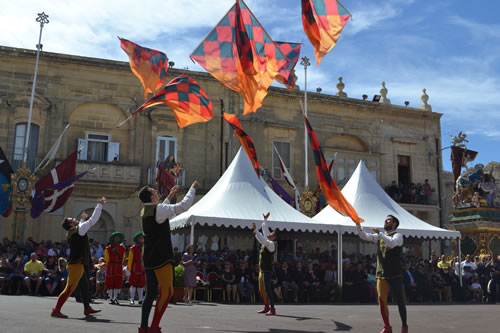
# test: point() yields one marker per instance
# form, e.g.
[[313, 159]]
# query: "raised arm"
[[262, 238], [166, 210], [366, 236], [84, 226]]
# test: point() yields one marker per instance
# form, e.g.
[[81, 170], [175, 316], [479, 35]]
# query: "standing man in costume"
[[389, 274], [137, 279], [158, 253], [78, 258], [114, 254], [267, 240]]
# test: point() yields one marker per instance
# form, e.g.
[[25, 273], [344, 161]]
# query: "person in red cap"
[[79, 258], [114, 254], [137, 279]]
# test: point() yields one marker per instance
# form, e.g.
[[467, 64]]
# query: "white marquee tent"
[[240, 198]]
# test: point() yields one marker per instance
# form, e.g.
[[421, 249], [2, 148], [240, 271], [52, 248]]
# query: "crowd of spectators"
[[419, 193], [40, 269]]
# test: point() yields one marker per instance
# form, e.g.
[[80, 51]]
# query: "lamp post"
[[305, 62], [23, 181]]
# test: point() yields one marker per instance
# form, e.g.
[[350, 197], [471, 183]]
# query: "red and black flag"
[[240, 54], [187, 100], [459, 158], [292, 54], [5, 185], [323, 21], [149, 65], [330, 190], [245, 140]]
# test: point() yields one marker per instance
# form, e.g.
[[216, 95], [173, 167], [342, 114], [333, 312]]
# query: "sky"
[[449, 47]]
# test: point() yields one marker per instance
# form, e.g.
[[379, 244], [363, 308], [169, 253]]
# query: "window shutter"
[[113, 151], [82, 149]]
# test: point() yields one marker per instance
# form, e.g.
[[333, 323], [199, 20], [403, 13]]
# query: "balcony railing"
[[109, 173]]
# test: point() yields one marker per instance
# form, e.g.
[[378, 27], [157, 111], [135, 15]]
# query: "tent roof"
[[373, 205], [240, 198]]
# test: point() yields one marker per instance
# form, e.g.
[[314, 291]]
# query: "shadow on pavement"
[[341, 326]]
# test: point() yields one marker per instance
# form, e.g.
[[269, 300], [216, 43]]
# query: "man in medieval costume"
[[137, 279], [114, 254]]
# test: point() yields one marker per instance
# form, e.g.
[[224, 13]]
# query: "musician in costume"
[[137, 279], [158, 254], [388, 272], [114, 255], [79, 257], [268, 249]]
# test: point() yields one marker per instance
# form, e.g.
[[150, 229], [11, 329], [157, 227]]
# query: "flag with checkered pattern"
[[240, 54], [323, 21], [149, 65], [330, 190], [286, 75], [187, 100], [245, 140]]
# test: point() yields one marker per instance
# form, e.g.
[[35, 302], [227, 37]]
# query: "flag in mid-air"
[[279, 190], [149, 65], [292, 53], [53, 190], [5, 185], [245, 140], [330, 190], [187, 100], [323, 21], [240, 54]]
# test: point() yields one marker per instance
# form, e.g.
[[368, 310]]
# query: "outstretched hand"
[[102, 200], [266, 216]]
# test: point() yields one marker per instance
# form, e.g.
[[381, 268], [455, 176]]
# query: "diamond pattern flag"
[[330, 190], [240, 54], [323, 21], [187, 100], [292, 53], [149, 65], [245, 140]]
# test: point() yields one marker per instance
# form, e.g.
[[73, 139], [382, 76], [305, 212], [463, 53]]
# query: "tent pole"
[[460, 262], [191, 238], [339, 258]]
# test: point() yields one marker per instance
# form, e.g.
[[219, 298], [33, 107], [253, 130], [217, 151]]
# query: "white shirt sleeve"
[[262, 238], [391, 242], [165, 210], [366, 236], [84, 226]]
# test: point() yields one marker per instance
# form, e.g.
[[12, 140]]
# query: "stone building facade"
[[398, 143]]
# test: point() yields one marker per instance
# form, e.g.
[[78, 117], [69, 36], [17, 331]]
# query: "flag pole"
[[305, 62], [42, 19]]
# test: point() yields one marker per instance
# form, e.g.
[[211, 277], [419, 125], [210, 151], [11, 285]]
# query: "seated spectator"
[[409, 283], [16, 277], [285, 278], [245, 287], [229, 279], [362, 292], [33, 270], [5, 271], [439, 285], [348, 289], [50, 278], [62, 273], [299, 278], [312, 283], [276, 287]]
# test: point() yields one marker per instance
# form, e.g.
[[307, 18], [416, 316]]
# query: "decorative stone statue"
[[425, 99], [383, 94], [340, 87]]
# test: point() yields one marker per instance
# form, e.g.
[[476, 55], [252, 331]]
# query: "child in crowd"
[[100, 290], [476, 290]]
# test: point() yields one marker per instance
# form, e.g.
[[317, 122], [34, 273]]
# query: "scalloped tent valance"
[[373, 204], [240, 198]]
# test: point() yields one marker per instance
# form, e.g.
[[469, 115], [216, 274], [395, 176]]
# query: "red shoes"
[[271, 312], [265, 310], [404, 329], [89, 311], [154, 330], [387, 329], [57, 314]]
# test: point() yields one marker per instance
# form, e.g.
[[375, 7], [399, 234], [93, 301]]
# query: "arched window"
[[20, 142]]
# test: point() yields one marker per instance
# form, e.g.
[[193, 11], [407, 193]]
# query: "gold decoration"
[[307, 202], [22, 184]]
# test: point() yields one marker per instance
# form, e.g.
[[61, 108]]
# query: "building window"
[[284, 151], [166, 145], [19, 143], [404, 172], [98, 147]]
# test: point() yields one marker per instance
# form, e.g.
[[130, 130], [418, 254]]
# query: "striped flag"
[[185, 97], [245, 140], [240, 54], [330, 190], [149, 65], [284, 171], [279, 190], [52, 152], [323, 21], [286, 75]]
